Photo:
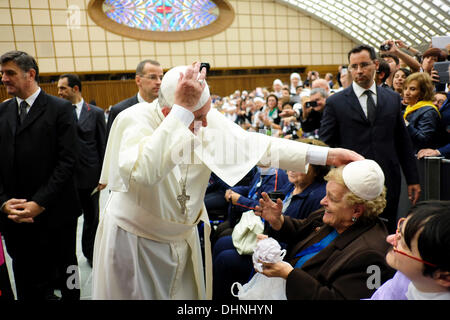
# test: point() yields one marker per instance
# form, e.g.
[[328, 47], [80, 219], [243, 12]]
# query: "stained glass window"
[[161, 15]]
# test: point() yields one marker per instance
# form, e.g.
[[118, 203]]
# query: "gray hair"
[[23, 60], [322, 92]]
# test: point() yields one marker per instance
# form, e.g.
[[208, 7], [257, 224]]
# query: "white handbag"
[[261, 287], [244, 233]]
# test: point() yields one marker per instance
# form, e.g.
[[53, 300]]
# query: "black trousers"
[[29, 246], [90, 207], [65, 260]]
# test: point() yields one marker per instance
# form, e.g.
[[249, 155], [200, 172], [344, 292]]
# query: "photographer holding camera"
[[311, 113], [392, 47]]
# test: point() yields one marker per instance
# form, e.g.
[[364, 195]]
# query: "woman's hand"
[[270, 211], [280, 269]]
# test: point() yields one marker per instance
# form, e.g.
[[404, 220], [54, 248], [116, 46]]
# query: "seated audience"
[[420, 252], [296, 81], [243, 116], [242, 198], [277, 86], [273, 111], [303, 193], [330, 251]]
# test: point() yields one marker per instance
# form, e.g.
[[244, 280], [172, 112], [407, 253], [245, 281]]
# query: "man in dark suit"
[[148, 80], [91, 128], [370, 123], [38, 197]]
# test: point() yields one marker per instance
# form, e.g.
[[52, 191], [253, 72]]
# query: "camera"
[[311, 104], [274, 195], [385, 47], [205, 65], [344, 71]]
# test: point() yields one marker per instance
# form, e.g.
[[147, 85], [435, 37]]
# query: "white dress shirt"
[[78, 108], [30, 100], [359, 91]]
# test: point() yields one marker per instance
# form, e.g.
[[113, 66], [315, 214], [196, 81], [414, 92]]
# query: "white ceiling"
[[371, 22]]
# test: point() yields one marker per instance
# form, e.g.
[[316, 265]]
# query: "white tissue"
[[267, 250]]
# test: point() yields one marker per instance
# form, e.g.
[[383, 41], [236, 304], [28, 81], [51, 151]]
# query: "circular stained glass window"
[[162, 20]]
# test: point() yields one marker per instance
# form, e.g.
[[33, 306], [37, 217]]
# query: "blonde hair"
[[372, 208], [425, 82]]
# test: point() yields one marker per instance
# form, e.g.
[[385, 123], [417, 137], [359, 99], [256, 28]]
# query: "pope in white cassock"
[[158, 161]]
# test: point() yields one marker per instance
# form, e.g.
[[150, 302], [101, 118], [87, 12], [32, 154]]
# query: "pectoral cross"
[[182, 198]]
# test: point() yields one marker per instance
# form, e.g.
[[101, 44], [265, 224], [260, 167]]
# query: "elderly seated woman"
[[332, 252]]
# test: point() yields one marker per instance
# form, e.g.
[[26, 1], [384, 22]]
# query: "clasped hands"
[[231, 196], [21, 210]]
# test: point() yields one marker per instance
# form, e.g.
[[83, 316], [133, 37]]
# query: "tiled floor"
[[83, 266]]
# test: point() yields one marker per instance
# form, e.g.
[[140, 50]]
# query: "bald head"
[[321, 83]]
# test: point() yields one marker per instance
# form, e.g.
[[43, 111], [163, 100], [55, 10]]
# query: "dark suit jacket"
[[345, 125], [91, 129], [38, 159], [118, 108], [340, 270]]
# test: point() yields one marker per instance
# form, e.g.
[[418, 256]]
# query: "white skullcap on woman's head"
[[364, 178], [169, 84]]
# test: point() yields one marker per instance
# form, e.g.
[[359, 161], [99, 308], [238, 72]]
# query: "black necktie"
[[371, 107], [23, 111], [75, 112]]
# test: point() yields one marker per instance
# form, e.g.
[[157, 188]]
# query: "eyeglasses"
[[362, 65], [398, 236], [153, 77]]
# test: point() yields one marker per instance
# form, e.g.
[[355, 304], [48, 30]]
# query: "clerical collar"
[[359, 91], [30, 100]]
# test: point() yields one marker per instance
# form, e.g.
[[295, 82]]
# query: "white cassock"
[[146, 247]]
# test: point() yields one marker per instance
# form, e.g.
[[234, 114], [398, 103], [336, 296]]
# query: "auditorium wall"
[[263, 33]]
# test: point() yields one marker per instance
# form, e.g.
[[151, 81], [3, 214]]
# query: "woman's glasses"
[[398, 236]]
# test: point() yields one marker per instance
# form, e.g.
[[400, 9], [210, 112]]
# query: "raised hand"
[[270, 211], [190, 86]]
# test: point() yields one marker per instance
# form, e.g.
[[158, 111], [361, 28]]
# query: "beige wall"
[[264, 33]]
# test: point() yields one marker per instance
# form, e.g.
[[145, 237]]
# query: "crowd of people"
[[326, 203]]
